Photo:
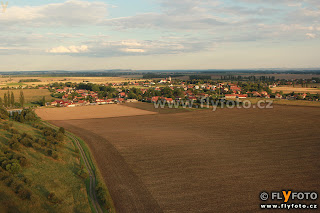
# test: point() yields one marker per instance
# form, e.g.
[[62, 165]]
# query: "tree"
[[5, 100], [9, 99], [95, 88], [43, 101], [21, 98], [3, 113], [12, 99]]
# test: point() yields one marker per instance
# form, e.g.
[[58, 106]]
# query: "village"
[[167, 89]]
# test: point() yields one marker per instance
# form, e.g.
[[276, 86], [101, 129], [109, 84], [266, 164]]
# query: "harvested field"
[[150, 107], [29, 94], [203, 161], [287, 90], [89, 112], [14, 81]]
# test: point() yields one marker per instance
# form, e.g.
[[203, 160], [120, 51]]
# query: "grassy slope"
[[99, 178], [47, 175]]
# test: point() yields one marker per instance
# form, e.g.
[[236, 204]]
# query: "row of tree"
[[9, 100]]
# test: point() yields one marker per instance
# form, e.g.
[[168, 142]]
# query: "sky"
[[158, 34]]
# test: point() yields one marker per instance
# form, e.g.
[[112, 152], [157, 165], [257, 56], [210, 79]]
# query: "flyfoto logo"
[[286, 196], [4, 6]]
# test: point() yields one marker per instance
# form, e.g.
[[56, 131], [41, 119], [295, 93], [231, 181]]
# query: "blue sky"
[[159, 34]]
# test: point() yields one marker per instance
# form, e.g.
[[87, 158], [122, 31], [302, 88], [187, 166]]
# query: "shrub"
[[83, 174], [42, 142], [26, 135], [4, 175], [53, 198], [36, 146], [23, 161], [16, 137], [102, 194], [15, 186], [49, 152], [55, 155], [62, 130], [27, 142], [14, 145], [59, 137], [6, 127], [8, 181], [14, 131], [24, 193], [50, 139], [27, 181], [13, 168]]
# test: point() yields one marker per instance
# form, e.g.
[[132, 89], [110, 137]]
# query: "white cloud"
[[133, 50], [71, 12], [70, 49], [311, 35], [207, 22]]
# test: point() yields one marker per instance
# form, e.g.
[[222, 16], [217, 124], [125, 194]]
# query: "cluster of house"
[[188, 93], [82, 99], [228, 91]]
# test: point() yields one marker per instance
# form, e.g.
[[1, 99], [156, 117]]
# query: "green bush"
[[14, 145], [49, 152], [102, 194], [27, 142], [13, 168]]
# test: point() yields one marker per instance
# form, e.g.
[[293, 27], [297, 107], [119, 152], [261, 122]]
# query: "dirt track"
[[204, 161]]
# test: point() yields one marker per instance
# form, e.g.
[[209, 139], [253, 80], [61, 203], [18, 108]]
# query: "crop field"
[[14, 81], [29, 94], [204, 161], [291, 89], [89, 112]]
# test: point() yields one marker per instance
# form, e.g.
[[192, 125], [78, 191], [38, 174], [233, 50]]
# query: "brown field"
[[89, 112], [48, 80], [29, 94], [291, 89], [286, 102], [285, 76], [203, 161]]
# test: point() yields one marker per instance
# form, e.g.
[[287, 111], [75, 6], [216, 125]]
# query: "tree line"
[[8, 100]]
